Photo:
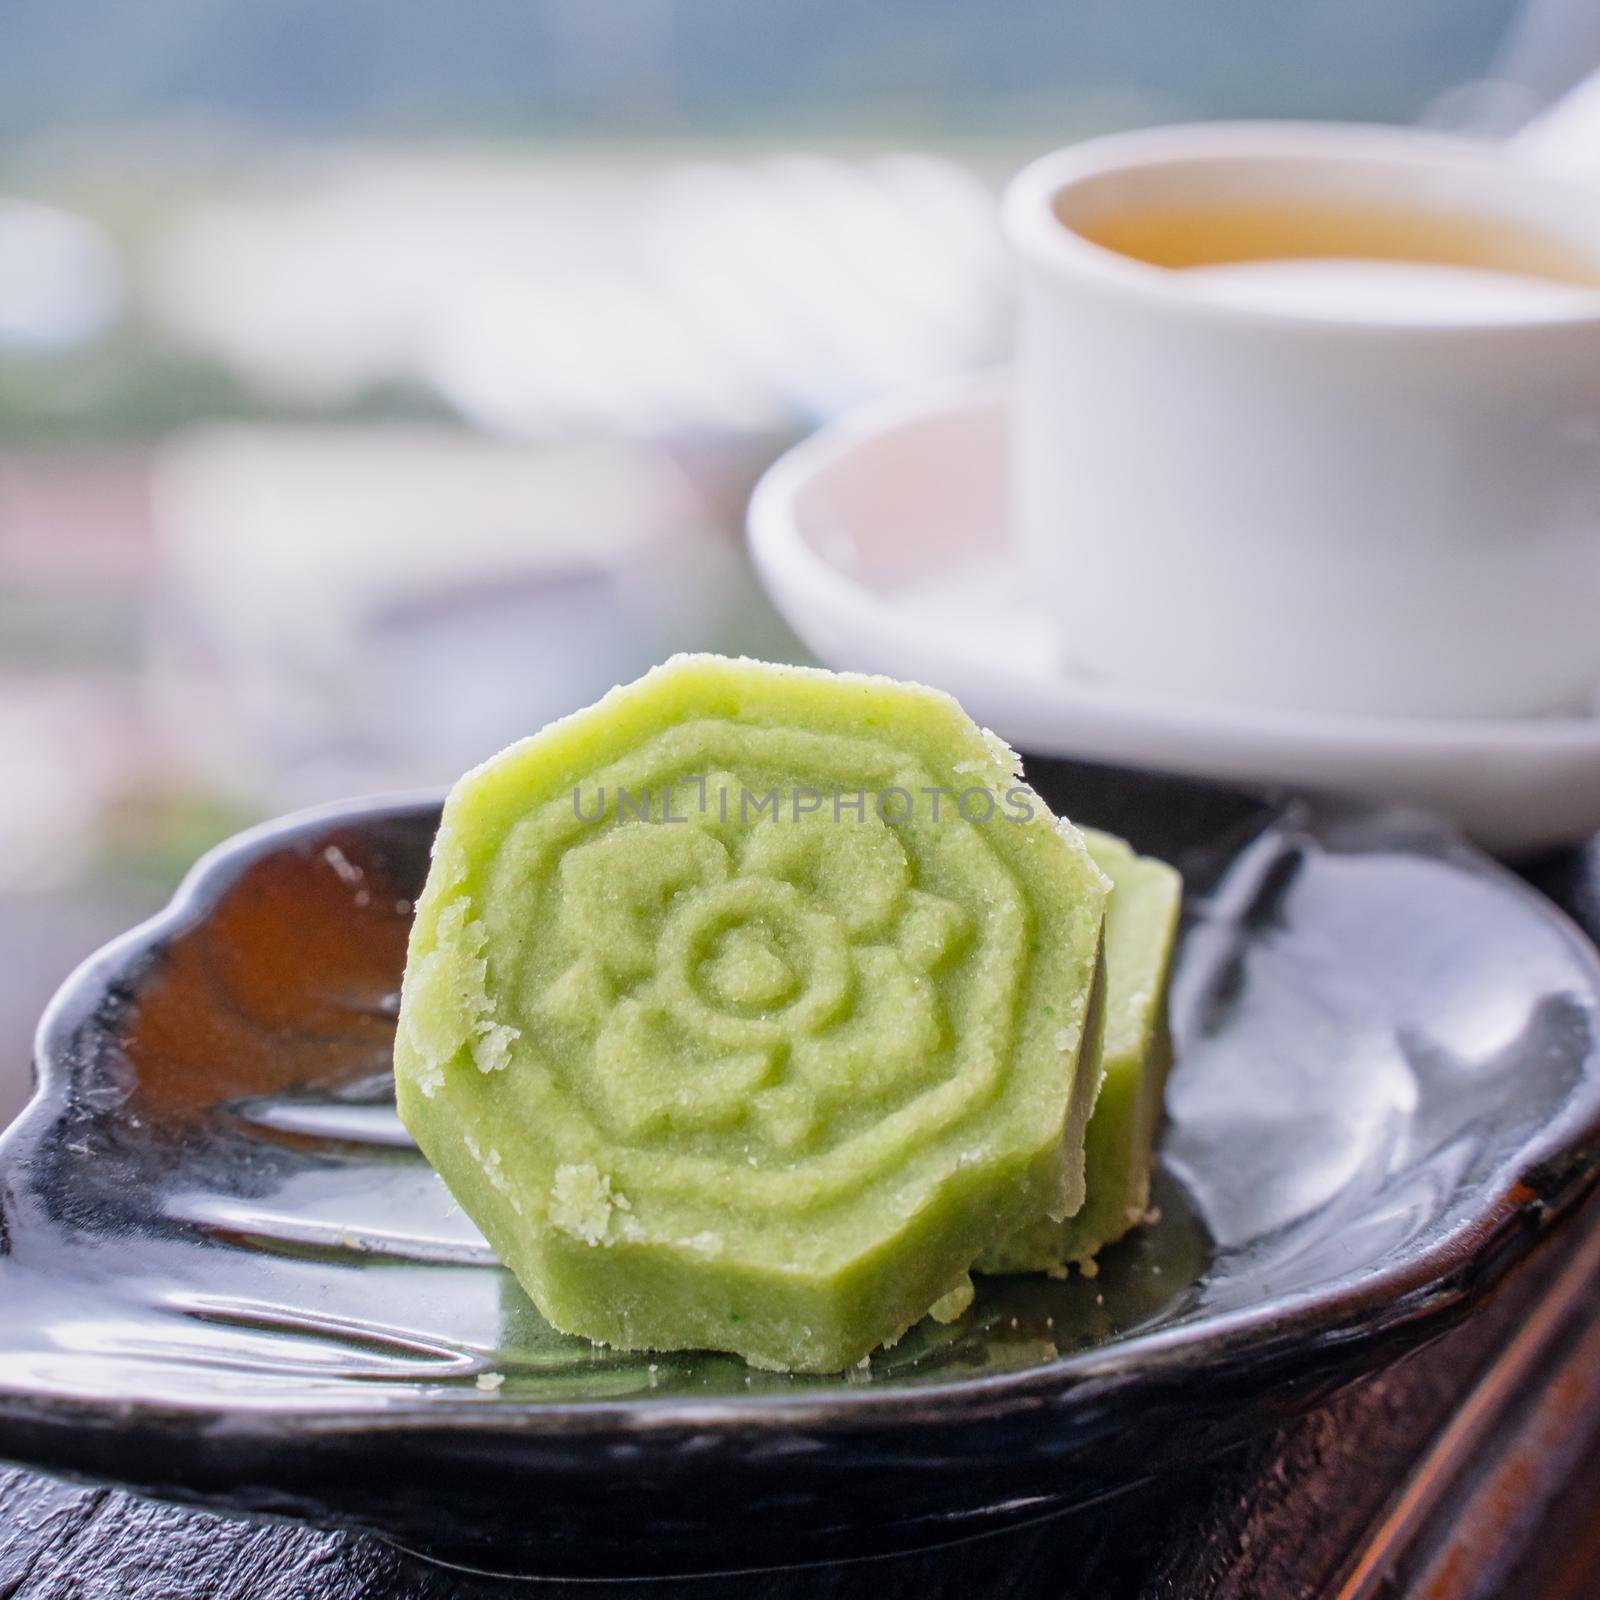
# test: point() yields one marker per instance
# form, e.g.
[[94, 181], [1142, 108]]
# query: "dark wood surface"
[[1470, 1470]]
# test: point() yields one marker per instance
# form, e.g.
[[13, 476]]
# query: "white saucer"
[[884, 541]]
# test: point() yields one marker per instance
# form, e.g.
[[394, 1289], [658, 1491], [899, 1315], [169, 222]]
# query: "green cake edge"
[[1119, 1145]]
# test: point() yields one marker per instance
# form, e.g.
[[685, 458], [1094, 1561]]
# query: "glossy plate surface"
[[226, 1274]]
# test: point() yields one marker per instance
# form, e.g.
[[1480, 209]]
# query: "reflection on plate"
[[228, 1276]]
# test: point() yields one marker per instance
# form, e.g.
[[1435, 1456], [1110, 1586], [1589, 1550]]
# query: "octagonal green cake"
[[745, 1009]]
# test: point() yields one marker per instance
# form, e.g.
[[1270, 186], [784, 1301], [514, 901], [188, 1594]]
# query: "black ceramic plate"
[[225, 1274]]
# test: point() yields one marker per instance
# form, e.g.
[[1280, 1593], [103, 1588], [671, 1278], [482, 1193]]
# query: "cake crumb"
[[581, 1202], [491, 1049], [949, 1306], [490, 1381], [1007, 758]]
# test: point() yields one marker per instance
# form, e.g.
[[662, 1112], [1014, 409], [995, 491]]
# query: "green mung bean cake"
[[747, 1008], [1141, 930]]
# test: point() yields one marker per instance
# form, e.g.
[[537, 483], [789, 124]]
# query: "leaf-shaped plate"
[[227, 1276]]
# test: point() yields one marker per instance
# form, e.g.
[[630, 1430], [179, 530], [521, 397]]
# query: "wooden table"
[[1471, 1469]]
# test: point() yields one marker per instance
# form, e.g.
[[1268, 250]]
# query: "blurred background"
[[377, 381]]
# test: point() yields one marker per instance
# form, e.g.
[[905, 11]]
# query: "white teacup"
[[1349, 494]]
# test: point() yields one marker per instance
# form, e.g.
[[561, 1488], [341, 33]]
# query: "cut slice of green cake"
[[1141, 928]]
